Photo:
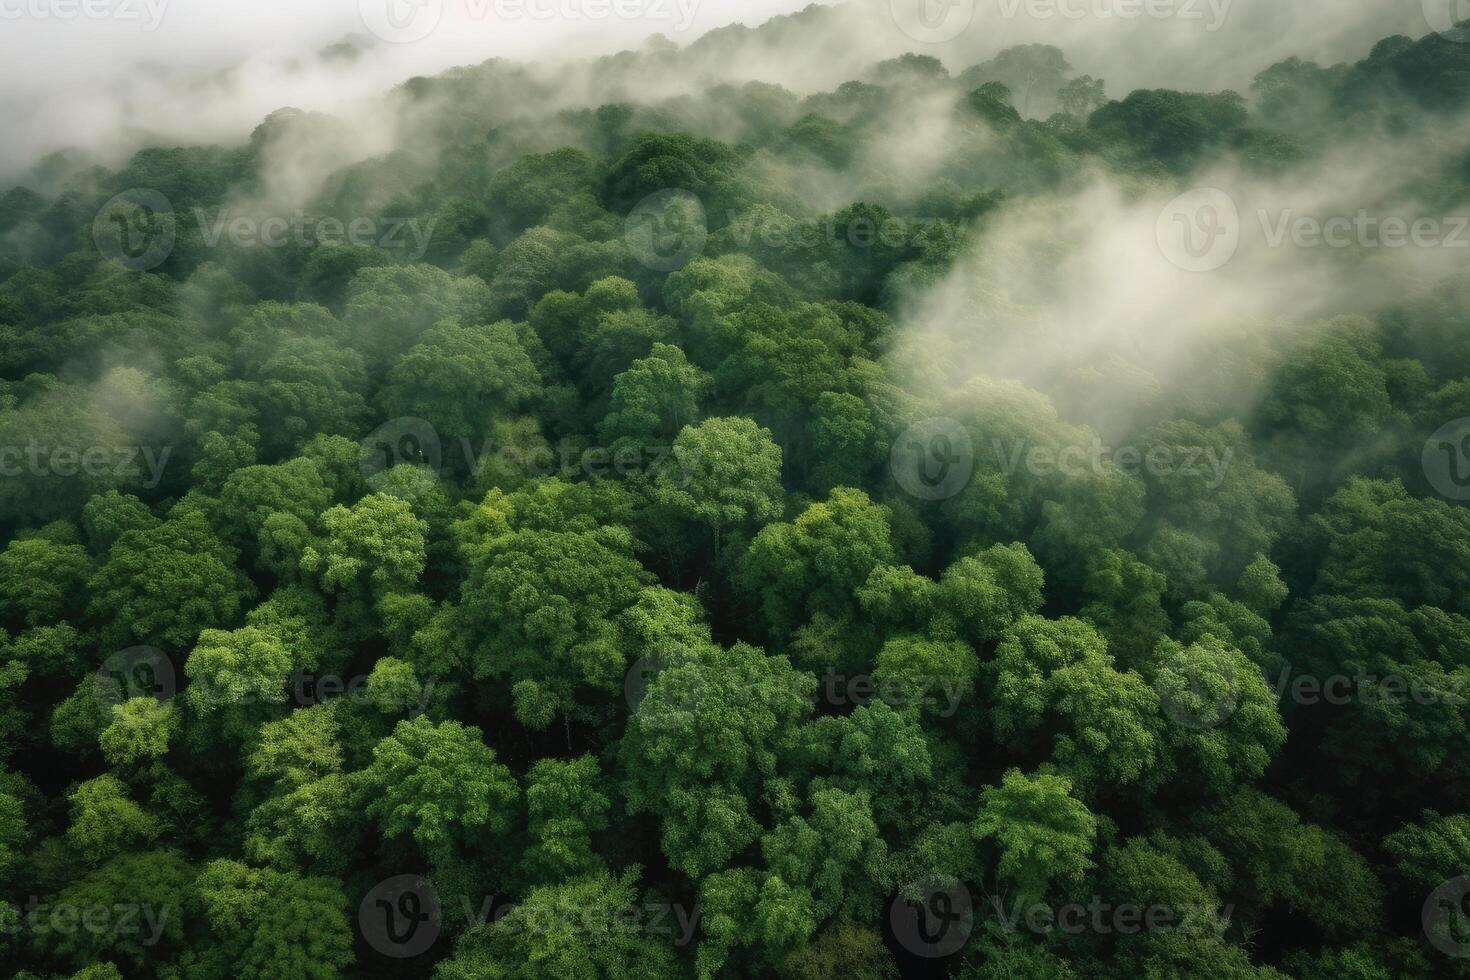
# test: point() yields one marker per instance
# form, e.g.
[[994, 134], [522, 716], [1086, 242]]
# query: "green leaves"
[[1044, 688], [378, 543], [816, 562], [542, 603], [163, 585], [441, 783], [105, 821], [271, 923], [459, 378], [1042, 836], [724, 473], [1224, 723]]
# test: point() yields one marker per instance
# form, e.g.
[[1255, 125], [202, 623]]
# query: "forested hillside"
[[958, 523]]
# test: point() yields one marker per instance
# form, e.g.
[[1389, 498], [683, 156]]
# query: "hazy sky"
[[112, 74], [74, 71]]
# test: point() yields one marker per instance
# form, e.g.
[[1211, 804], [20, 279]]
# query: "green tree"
[[1041, 835], [441, 783]]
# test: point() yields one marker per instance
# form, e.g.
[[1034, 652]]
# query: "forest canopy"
[[966, 521]]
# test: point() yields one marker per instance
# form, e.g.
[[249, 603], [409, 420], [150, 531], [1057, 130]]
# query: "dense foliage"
[[574, 583]]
